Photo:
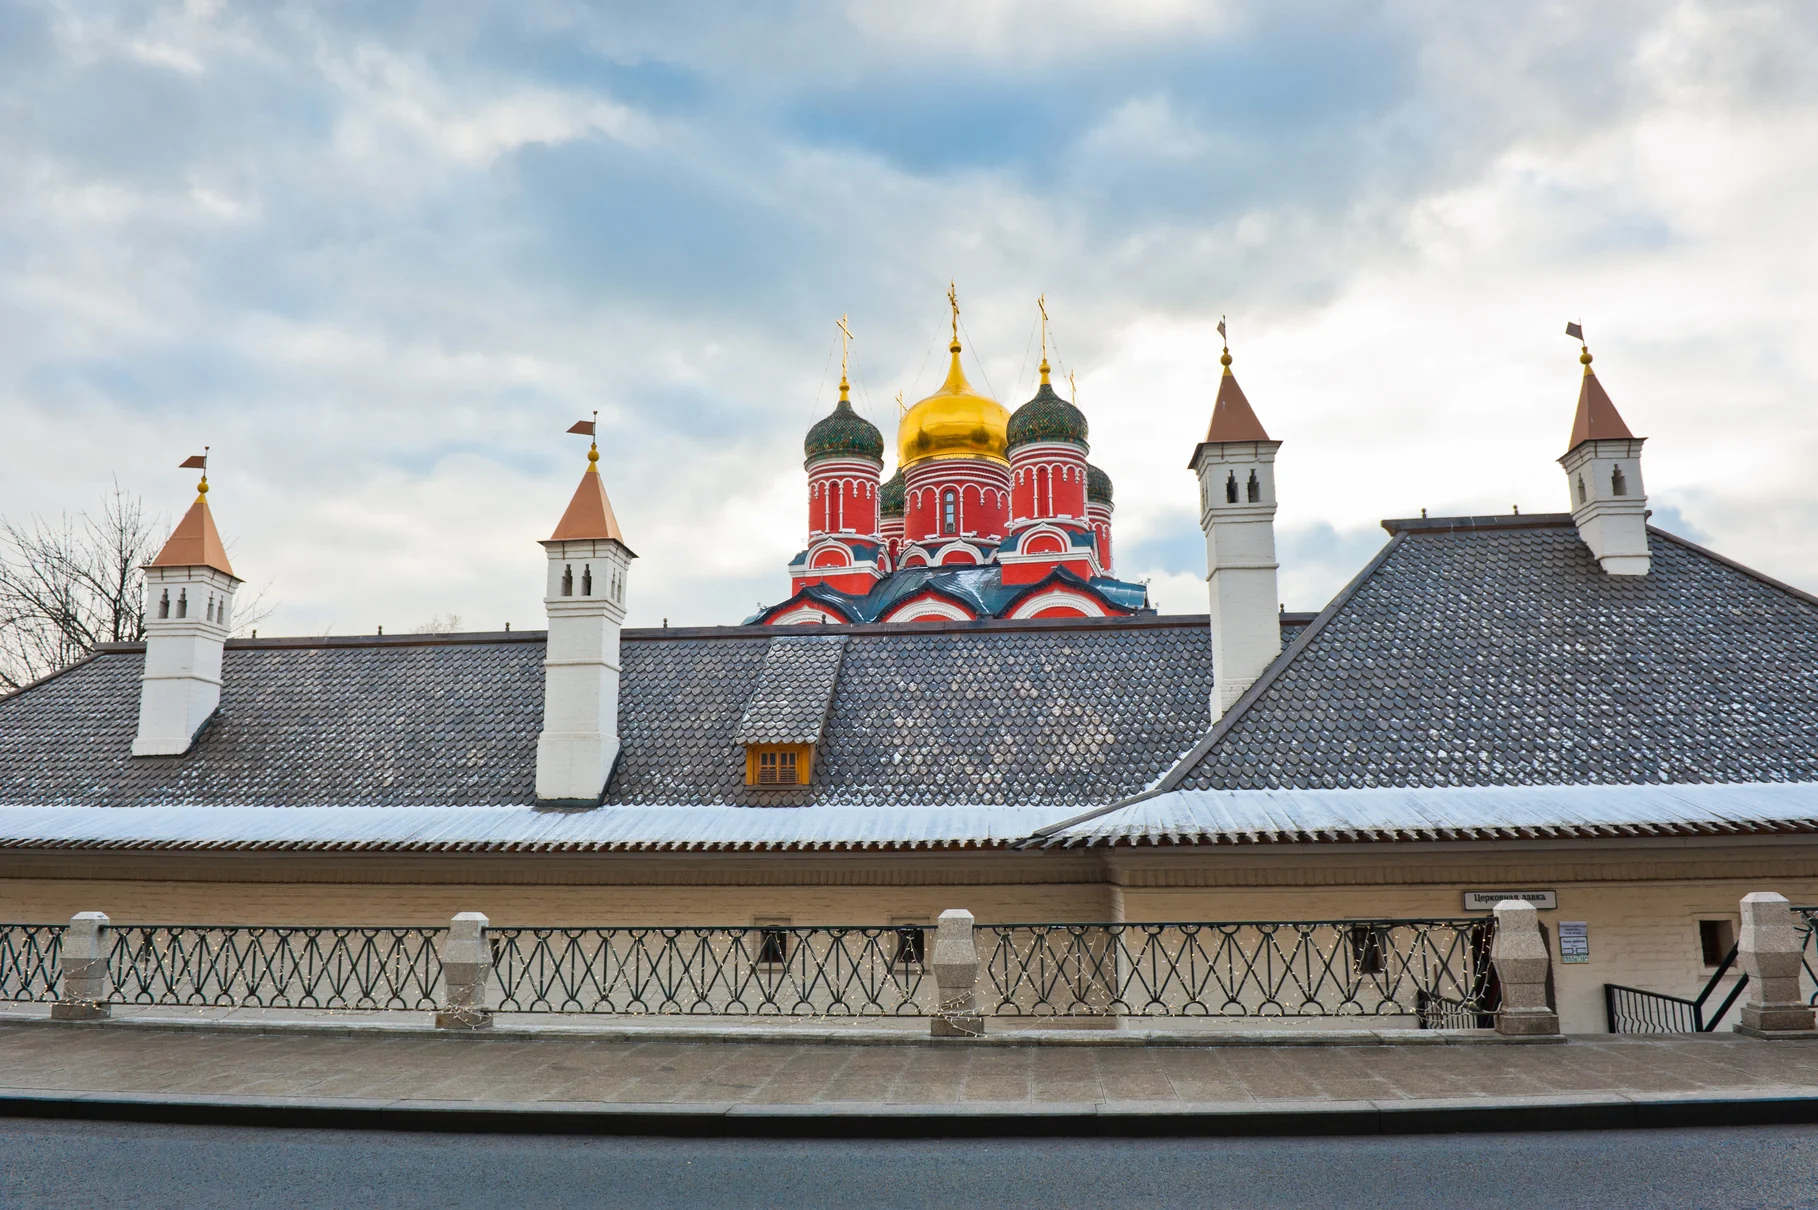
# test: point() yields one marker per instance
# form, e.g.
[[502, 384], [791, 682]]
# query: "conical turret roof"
[[589, 516], [1597, 418], [196, 542], [1232, 417]]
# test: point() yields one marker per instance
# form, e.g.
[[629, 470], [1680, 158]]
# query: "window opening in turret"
[[164, 604], [1231, 489], [568, 580], [1581, 489], [587, 579], [183, 602], [1255, 488], [1619, 486]]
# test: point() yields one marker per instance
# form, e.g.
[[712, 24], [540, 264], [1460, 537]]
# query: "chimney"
[[1236, 469], [189, 602], [1603, 475], [585, 600]]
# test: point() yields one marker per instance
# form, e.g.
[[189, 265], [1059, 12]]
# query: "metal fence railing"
[[349, 968], [777, 970], [1436, 971], [1808, 952], [30, 962], [1365, 968]]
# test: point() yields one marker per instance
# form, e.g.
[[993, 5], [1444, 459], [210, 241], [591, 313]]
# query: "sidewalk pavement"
[[279, 1075]]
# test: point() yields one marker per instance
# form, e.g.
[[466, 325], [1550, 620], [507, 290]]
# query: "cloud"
[[381, 256]]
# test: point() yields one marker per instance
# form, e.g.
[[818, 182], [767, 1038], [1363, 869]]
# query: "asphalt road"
[[105, 1164]]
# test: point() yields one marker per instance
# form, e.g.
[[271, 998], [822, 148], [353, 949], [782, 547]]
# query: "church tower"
[[956, 477], [844, 456], [1049, 526], [584, 596], [1236, 469], [1603, 475], [189, 605]]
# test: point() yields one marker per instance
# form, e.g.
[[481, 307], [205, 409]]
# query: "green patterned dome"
[[1047, 417], [890, 496], [844, 433], [1098, 486]]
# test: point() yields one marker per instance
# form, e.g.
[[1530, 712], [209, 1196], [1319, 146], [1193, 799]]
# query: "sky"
[[379, 256]]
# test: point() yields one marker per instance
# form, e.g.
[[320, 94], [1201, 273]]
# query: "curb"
[[799, 1035], [980, 1120]]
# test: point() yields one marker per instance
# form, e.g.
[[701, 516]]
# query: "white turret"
[[1603, 475], [585, 600], [189, 604], [1236, 468]]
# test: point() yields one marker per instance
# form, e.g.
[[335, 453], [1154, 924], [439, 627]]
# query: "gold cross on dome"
[[1072, 389], [846, 339], [1041, 304], [953, 301]]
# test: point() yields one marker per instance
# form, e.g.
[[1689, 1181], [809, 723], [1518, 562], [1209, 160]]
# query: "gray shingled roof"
[[1494, 651], [1064, 712], [794, 689]]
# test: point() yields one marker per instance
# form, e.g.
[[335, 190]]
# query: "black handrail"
[[1646, 1007]]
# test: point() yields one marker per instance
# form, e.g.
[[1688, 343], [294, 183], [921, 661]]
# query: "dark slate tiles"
[[789, 705], [973, 715], [1507, 657], [380, 724], [979, 716]]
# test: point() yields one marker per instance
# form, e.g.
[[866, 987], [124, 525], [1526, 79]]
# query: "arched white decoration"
[[1054, 597], [929, 609], [805, 614]]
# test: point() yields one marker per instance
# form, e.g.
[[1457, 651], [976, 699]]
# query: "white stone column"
[[1522, 961], [1769, 951], [466, 973], [955, 967], [83, 957]]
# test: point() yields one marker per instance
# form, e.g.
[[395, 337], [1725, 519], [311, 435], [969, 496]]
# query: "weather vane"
[[586, 429], [198, 462]]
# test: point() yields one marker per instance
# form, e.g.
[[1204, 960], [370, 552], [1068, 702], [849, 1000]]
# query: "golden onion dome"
[[954, 422]]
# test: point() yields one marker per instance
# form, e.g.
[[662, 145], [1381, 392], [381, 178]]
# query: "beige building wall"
[[1642, 900]]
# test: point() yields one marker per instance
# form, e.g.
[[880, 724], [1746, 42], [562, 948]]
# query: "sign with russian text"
[[1574, 941], [1486, 901]]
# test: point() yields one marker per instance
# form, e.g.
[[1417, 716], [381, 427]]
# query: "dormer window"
[[778, 764]]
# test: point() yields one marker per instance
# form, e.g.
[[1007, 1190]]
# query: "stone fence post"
[[84, 960], [955, 966], [1521, 960], [1769, 952], [466, 973]]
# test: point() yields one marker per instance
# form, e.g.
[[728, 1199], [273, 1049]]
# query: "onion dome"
[[890, 497], [844, 433], [1098, 486], [1047, 417], [954, 422]]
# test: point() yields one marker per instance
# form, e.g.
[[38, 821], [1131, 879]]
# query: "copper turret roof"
[[1232, 419], [1597, 419], [195, 542], [589, 516]]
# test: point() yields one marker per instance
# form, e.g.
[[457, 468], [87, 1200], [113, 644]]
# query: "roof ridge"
[[1178, 772], [1396, 525]]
